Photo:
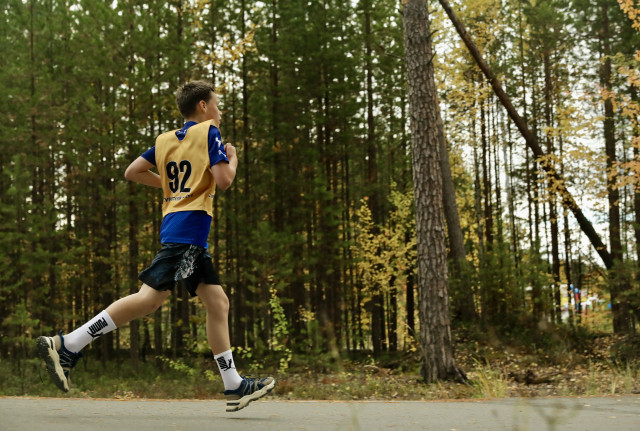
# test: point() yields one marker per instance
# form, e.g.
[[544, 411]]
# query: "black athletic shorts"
[[185, 263]]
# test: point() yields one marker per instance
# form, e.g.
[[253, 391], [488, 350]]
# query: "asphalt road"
[[68, 414]]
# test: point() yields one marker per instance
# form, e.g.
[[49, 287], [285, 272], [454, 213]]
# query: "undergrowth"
[[575, 364]]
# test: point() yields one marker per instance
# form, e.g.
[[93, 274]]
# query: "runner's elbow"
[[129, 174], [225, 183]]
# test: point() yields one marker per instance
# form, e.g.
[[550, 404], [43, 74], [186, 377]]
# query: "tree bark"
[[435, 333]]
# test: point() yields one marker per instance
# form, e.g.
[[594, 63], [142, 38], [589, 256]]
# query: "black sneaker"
[[59, 362], [250, 390]]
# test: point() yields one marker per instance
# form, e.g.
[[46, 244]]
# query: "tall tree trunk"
[[486, 181], [411, 306], [243, 295], [477, 200], [488, 286], [537, 295], [134, 325], [435, 333], [513, 230], [392, 317], [377, 302], [567, 248], [463, 301], [618, 281], [132, 267], [215, 227], [158, 336], [553, 213], [636, 206]]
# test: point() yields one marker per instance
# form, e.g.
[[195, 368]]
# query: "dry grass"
[[494, 371]]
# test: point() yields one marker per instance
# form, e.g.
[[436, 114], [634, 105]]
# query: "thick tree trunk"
[[435, 334]]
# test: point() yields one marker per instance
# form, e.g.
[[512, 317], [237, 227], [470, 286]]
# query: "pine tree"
[[435, 333]]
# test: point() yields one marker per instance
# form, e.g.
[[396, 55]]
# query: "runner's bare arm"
[[225, 173], [138, 171]]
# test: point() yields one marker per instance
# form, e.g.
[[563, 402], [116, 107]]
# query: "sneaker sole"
[[49, 355], [235, 405]]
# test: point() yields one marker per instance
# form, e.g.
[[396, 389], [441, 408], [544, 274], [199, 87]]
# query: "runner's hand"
[[230, 150]]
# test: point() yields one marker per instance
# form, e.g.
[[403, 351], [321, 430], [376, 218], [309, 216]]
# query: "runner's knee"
[[214, 298], [152, 300], [219, 304]]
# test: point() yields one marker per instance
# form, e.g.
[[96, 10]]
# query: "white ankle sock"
[[227, 367], [94, 328]]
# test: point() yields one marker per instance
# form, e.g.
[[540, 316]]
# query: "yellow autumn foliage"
[[385, 255], [632, 11]]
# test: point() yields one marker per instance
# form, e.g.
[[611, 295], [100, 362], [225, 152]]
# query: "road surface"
[[618, 413]]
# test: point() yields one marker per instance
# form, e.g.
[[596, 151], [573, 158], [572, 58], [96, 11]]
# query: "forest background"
[[316, 239]]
